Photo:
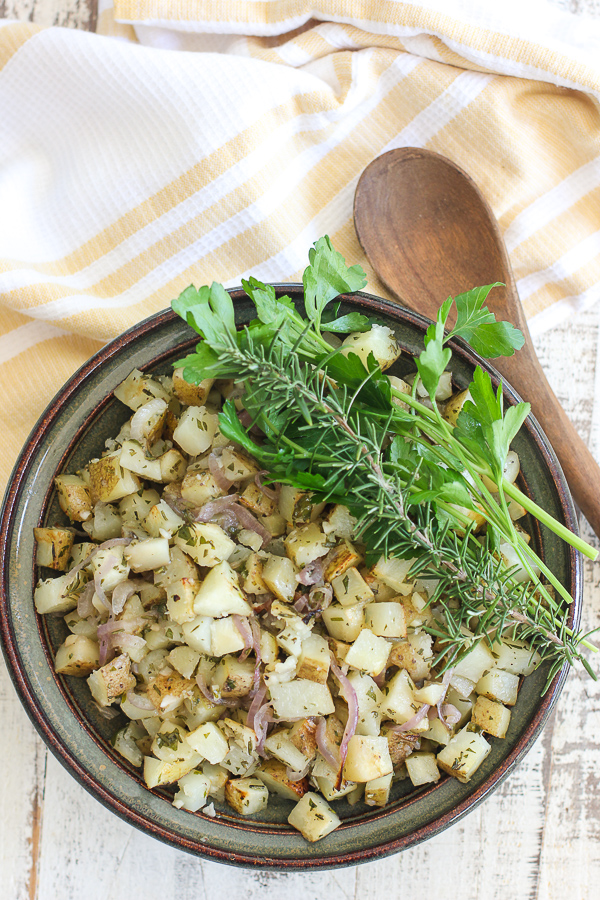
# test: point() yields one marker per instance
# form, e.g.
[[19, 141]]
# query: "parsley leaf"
[[478, 326], [326, 277]]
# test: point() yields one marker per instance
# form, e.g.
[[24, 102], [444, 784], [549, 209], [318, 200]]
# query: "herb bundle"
[[334, 426]]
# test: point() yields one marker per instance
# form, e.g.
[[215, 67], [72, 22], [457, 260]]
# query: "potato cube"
[[193, 792], [257, 501], [184, 659], [167, 692], [138, 389], [78, 655], [369, 653], [422, 768], [399, 702], [133, 459], [59, 594], [314, 659], [199, 486], [377, 791], [302, 736], [463, 755], [369, 699], [180, 600], [515, 657], [158, 771], [225, 637], [195, 430], [380, 341], [313, 817], [247, 796], [306, 543], [499, 685], [220, 594], [415, 654], [351, 588], [172, 466], [53, 547], [273, 773], [301, 698], [161, 519], [491, 717], [476, 662], [386, 619], [170, 743], [252, 571], [343, 558], [232, 677], [109, 481], [209, 741], [191, 394], [368, 758], [278, 744], [279, 575], [74, 497], [344, 623], [111, 680], [144, 556], [206, 543], [454, 405], [339, 522]]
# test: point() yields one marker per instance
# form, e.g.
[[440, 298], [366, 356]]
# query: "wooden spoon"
[[429, 233]]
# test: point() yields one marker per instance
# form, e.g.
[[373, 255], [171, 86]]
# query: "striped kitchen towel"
[[200, 140]]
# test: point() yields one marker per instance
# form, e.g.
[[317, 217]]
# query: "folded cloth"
[[210, 140]]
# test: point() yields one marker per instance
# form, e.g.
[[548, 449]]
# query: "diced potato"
[[252, 571], [257, 501], [491, 717], [377, 791], [454, 405], [74, 497], [59, 594], [415, 654], [402, 387], [170, 743], [158, 772], [314, 659], [298, 507], [134, 508], [463, 704], [477, 661], [393, 572], [181, 596], [191, 394], [144, 556], [172, 466], [111, 680], [313, 817], [386, 619], [111, 566], [273, 773], [162, 519], [232, 677], [193, 792], [301, 698], [380, 341], [78, 655], [463, 755], [306, 543], [109, 481], [220, 594], [279, 745], [184, 659], [107, 523], [167, 692], [343, 558], [464, 687], [302, 736], [344, 622], [369, 699], [199, 486], [237, 466], [422, 768], [400, 744], [209, 741], [328, 787], [133, 458], [53, 547], [279, 575], [138, 389], [399, 702], [195, 430], [369, 653], [247, 796], [124, 743], [225, 637], [206, 543], [515, 657], [368, 758], [499, 685], [339, 522], [351, 588], [430, 693]]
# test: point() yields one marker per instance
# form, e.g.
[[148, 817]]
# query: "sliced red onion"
[[322, 746], [204, 690], [301, 604], [241, 623], [217, 471], [122, 592], [351, 699], [322, 591], [85, 607], [380, 679], [256, 704], [247, 520], [255, 628], [271, 493], [107, 712], [450, 715], [129, 626], [262, 717], [106, 545], [155, 407], [297, 776], [414, 721], [100, 590], [446, 682], [139, 700], [214, 507], [312, 573]]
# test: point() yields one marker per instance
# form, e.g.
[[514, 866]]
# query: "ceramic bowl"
[[71, 431]]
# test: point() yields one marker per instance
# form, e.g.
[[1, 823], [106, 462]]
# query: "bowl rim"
[[26, 693]]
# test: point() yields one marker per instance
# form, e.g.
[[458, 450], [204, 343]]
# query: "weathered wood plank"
[[66, 13]]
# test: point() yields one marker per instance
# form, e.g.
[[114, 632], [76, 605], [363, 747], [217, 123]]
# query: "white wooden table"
[[536, 838]]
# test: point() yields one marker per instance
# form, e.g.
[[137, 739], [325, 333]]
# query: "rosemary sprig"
[[412, 481]]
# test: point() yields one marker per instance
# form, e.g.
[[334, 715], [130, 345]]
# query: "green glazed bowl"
[[71, 431]]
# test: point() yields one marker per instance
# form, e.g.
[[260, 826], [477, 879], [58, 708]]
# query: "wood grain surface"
[[536, 838]]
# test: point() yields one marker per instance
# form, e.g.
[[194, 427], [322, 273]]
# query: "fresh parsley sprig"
[[327, 419]]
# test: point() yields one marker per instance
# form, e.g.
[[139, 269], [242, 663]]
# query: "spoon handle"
[[581, 470]]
